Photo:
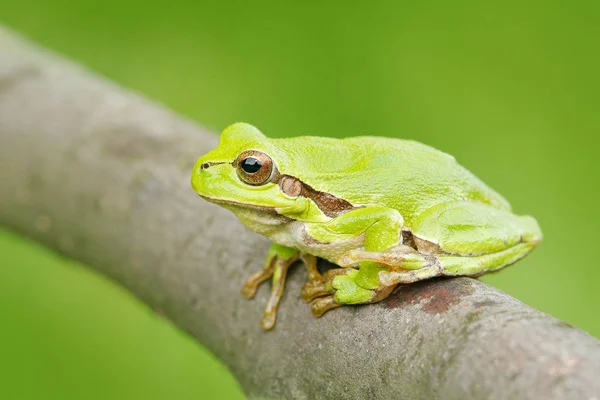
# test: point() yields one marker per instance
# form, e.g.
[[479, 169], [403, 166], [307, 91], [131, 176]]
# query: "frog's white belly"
[[294, 235]]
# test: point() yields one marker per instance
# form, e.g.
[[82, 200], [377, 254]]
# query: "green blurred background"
[[510, 89]]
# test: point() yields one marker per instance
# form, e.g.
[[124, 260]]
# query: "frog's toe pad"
[[249, 290], [268, 321]]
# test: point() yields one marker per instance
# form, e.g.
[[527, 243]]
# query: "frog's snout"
[[199, 175], [202, 173]]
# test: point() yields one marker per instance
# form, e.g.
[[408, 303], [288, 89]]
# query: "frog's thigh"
[[472, 229], [380, 225]]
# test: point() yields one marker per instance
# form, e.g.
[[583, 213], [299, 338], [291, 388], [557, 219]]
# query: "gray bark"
[[102, 175]]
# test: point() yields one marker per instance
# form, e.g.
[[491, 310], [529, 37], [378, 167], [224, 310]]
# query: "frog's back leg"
[[443, 265], [460, 238], [472, 229]]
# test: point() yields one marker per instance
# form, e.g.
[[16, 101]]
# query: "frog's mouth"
[[237, 204]]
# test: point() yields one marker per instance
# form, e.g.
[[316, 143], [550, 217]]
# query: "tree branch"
[[102, 175]]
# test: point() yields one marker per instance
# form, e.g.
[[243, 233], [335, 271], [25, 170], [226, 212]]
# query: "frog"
[[385, 211]]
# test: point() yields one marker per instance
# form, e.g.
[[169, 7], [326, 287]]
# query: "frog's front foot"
[[279, 259]]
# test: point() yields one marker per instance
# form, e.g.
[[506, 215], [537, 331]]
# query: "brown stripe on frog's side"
[[330, 205]]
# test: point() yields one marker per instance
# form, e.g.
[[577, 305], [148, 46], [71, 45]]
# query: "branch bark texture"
[[102, 175]]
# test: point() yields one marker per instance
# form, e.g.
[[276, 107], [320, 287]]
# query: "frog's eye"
[[254, 167]]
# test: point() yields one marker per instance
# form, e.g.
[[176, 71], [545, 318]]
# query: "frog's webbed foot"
[[350, 286], [278, 261], [317, 287], [320, 289]]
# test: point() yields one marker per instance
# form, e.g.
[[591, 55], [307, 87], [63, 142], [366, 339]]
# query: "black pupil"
[[251, 165]]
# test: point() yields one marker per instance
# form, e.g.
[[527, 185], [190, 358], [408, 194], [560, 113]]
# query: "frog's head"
[[243, 171]]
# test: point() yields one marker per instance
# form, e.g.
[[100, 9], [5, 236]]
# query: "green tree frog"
[[387, 211]]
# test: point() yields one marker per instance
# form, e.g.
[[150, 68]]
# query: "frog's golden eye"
[[254, 167]]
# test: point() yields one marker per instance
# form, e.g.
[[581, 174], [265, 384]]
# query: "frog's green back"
[[406, 175]]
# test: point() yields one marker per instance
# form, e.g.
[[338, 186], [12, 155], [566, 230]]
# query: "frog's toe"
[[313, 290], [251, 285], [322, 305]]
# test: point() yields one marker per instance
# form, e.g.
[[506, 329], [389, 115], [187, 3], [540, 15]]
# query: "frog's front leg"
[[279, 259], [381, 227]]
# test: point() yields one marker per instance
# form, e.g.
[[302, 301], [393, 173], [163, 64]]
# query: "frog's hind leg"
[[444, 265], [471, 239], [457, 238]]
